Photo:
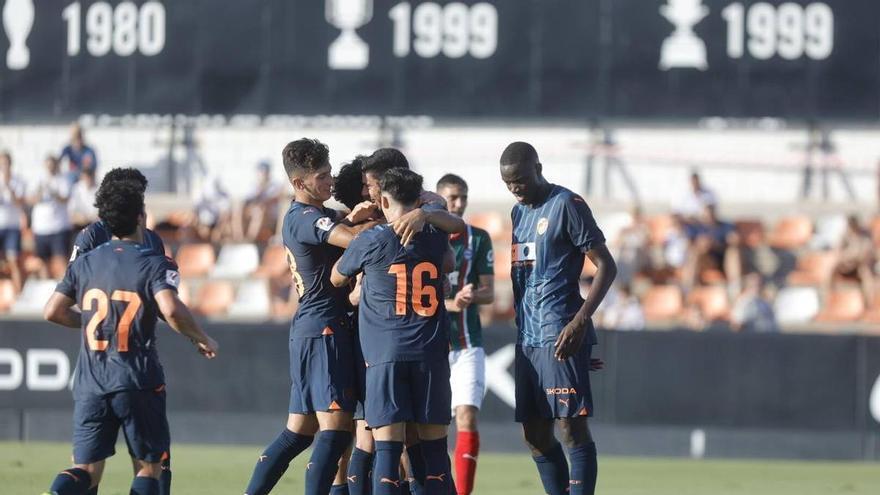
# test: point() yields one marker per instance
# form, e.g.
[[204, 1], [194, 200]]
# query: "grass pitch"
[[29, 468]]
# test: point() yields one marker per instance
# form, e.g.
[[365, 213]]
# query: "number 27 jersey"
[[115, 286]]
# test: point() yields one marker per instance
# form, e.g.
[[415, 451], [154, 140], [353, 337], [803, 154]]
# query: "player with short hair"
[[473, 284], [403, 336], [121, 286], [552, 230]]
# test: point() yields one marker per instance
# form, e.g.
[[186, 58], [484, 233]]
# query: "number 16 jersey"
[[115, 286], [401, 315]]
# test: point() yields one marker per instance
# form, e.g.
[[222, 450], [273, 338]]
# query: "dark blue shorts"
[[47, 246], [10, 240], [408, 391], [140, 413], [549, 389], [322, 374]]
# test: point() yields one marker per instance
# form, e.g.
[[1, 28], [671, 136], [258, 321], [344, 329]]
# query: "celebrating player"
[[552, 229], [473, 284], [401, 319], [121, 287]]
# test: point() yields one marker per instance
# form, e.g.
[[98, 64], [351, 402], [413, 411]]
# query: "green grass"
[[29, 468]]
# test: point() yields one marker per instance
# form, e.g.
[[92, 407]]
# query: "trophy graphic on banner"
[[348, 51], [683, 50], [18, 19]]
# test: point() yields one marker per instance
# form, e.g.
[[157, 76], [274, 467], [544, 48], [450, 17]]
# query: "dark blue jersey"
[[549, 242], [115, 286], [401, 313], [95, 234], [305, 231]]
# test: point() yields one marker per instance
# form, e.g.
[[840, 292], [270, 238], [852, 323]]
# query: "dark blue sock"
[[275, 460], [583, 469], [321, 470], [359, 467], [386, 468], [404, 488], [144, 486], [553, 469], [417, 468], [165, 477], [93, 491], [437, 469], [73, 481], [339, 490]]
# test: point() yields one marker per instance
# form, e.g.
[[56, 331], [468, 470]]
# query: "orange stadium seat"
[[659, 227], [7, 295], [791, 232], [843, 305], [215, 298], [712, 301], [662, 302], [492, 222], [274, 262], [812, 268], [751, 232], [196, 260]]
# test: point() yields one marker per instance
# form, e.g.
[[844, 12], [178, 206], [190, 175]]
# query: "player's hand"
[[596, 364], [464, 297], [570, 339], [362, 212], [208, 349], [409, 225]]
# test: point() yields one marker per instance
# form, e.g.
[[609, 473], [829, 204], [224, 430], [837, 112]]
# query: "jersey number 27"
[[96, 299]]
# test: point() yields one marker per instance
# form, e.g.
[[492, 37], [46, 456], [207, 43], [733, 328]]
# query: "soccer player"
[[473, 284], [98, 233], [121, 287], [552, 230], [403, 335]]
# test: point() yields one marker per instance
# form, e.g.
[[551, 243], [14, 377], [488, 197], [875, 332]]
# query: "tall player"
[[401, 319], [473, 284], [552, 230], [121, 287]]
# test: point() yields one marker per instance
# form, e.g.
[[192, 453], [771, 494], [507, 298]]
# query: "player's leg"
[[361, 463], [386, 468], [146, 480], [572, 422], [298, 434], [433, 397], [340, 482], [94, 439], [388, 406], [468, 381], [81, 479], [145, 426], [332, 396], [413, 463], [536, 417]]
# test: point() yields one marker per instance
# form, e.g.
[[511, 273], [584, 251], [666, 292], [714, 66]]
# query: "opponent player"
[[401, 318], [552, 229], [97, 233], [121, 287], [473, 284]]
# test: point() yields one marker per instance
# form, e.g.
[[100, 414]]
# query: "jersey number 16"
[[420, 291]]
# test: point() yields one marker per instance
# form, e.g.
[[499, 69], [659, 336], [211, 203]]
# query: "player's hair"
[[305, 155], [349, 183], [403, 185], [128, 174], [384, 159], [119, 205], [518, 153], [451, 180]]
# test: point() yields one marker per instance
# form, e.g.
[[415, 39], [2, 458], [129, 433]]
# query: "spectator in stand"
[[692, 205], [260, 208], [631, 248], [78, 154], [855, 258], [50, 221], [714, 244], [623, 311], [675, 246], [213, 211], [752, 312], [82, 208], [12, 198]]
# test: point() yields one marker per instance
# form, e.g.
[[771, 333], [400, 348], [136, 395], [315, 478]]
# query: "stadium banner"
[[572, 59], [678, 378]]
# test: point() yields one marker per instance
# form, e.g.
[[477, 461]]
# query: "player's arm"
[[413, 222], [342, 235], [59, 310], [361, 213], [351, 263], [182, 321]]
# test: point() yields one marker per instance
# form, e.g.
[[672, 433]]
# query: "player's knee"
[[149, 469], [466, 418], [574, 432], [538, 438], [95, 471]]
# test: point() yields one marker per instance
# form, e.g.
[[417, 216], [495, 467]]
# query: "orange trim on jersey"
[[327, 331]]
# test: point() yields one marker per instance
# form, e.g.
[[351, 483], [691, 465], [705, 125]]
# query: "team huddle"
[[385, 346]]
